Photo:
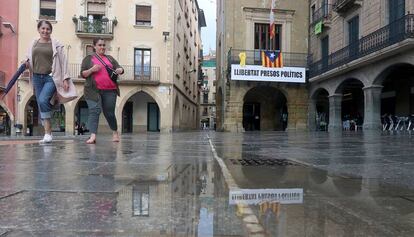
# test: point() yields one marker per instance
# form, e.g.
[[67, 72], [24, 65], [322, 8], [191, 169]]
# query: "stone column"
[[372, 108], [312, 115], [69, 119], [335, 112]]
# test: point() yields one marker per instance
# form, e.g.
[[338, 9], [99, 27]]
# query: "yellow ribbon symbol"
[[242, 57]]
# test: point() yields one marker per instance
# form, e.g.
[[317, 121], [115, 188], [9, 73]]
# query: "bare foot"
[[115, 137], [91, 141]]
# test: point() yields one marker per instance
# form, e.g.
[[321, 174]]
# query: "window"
[[88, 50], [205, 98], [353, 35], [47, 10], [396, 9], [142, 65], [262, 37], [313, 13], [325, 51], [143, 15], [140, 200], [96, 10]]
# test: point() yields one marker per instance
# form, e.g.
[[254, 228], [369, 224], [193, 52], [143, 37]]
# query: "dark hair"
[[46, 22], [95, 41]]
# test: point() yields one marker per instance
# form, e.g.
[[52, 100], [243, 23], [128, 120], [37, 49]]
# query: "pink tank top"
[[102, 79]]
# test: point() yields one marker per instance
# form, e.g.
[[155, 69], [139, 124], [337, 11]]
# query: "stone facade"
[[236, 22], [9, 14], [359, 78], [208, 93], [153, 95]]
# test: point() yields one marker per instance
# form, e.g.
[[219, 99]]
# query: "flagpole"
[[272, 19]]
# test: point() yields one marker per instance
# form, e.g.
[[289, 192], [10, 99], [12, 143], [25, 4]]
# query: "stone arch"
[[382, 75], [395, 83], [244, 90], [8, 111], [5, 121], [77, 113], [126, 97], [319, 110], [264, 108], [150, 97], [352, 102], [31, 120], [342, 83]]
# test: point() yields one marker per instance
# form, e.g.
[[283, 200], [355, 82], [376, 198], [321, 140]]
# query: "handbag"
[[111, 72]]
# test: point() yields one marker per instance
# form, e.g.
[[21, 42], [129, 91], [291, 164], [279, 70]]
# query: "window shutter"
[[96, 8], [143, 13], [48, 4]]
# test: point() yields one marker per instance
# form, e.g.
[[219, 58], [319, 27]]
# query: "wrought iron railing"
[[322, 13], [94, 26], [395, 32], [141, 73], [254, 57], [147, 74]]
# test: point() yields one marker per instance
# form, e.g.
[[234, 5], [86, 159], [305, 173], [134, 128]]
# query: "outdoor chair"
[[346, 125]]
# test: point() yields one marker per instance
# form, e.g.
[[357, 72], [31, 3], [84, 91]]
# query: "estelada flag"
[[272, 58]]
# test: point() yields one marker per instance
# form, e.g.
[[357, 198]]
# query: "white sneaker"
[[46, 139]]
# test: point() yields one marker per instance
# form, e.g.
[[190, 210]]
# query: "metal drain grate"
[[262, 162]]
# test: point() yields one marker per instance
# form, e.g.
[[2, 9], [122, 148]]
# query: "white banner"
[[257, 196], [259, 73]]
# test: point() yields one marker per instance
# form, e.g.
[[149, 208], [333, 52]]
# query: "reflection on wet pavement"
[[288, 184], [343, 192], [147, 185]]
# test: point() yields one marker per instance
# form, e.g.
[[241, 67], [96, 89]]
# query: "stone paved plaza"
[[354, 184]]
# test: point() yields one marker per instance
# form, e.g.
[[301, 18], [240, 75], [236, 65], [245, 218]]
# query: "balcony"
[[205, 89], [91, 28], [132, 74], [323, 14], [342, 6], [393, 33], [253, 57]]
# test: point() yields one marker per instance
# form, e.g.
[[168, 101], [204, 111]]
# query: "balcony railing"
[[131, 73], [145, 73], [322, 13], [344, 5], [395, 32], [93, 28], [254, 57]]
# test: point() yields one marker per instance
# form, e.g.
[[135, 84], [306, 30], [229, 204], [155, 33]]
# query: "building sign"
[[259, 73], [257, 196], [318, 28]]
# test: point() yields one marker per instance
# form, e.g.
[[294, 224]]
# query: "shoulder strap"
[[102, 61]]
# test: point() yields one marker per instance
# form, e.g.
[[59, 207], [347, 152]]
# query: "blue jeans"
[[44, 88]]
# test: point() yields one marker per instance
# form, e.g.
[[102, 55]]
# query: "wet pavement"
[[210, 184], [353, 184]]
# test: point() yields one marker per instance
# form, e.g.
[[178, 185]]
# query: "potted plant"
[[74, 19]]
